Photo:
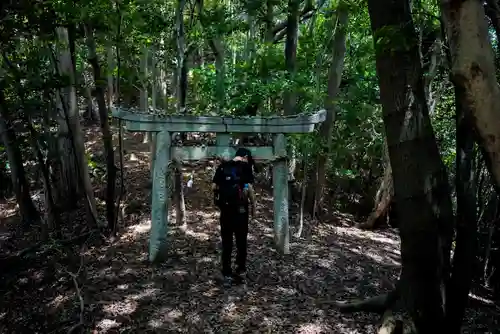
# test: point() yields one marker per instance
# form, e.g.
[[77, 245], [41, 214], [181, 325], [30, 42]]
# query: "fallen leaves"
[[284, 294]]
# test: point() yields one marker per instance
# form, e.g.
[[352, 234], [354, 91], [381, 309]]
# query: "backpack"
[[231, 190]]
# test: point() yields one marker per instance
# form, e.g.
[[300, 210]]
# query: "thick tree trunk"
[[28, 211], [420, 183], [107, 136], [473, 70], [69, 125], [338, 49]]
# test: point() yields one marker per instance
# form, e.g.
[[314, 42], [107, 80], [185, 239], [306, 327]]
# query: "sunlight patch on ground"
[[287, 291], [140, 159], [344, 329], [134, 231], [299, 273], [176, 272], [144, 294], [205, 259], [357, 233], [311, 328], [211, 292], [385, 260], [122, 308], [107, 324], [197, 235], [230, 311], [165, 315], [207, 216], [310, 249], [328, 263], [58, 301]]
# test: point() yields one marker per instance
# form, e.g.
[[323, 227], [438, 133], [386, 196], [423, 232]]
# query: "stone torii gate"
[[165, 125]]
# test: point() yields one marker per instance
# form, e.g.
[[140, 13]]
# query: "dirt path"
[[122, 293]]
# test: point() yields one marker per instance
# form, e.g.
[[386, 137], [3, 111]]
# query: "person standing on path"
[[235, 197]]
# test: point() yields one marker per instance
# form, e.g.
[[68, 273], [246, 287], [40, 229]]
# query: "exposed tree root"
[[378, 304]]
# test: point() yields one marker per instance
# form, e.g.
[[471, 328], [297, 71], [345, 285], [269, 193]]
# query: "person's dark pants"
[[234, 223]]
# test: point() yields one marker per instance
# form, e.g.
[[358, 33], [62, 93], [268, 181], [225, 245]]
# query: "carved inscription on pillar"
[[160, 197]]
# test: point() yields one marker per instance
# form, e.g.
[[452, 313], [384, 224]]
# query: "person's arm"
[[217, 178], [251, 191], [252, 198], [216, 181]]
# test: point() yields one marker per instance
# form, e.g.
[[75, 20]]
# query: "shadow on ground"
[[122, 293]]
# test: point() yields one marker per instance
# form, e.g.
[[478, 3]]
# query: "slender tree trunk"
[[144, 104], [107, 136], [181, 80], [420, 183], [51, 210], [110, 69], [28, 211], [289, 100], [384, 197], [338, 49], [90, 114]]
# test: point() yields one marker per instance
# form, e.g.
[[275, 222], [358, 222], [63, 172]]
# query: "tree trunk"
[[384, 197], [110, 68], [473, 70], [267, 40], [28, 211], [338, 49], [420, 183], [457, 289], [52, 218], [144, 105], [107, 136], [90, 114], [289, 99], [73, 156], [181, 80]]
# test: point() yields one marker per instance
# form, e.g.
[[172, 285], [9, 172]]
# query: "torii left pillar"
[[160, 198]]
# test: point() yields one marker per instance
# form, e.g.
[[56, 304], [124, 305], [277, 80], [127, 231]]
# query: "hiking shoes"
[[227, 281]]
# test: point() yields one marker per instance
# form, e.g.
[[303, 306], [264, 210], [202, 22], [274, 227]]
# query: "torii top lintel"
[[155, 122]]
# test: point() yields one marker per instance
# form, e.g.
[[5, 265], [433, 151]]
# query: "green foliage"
[[254, 72]]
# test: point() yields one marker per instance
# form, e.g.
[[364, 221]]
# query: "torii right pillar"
[[280, 194]]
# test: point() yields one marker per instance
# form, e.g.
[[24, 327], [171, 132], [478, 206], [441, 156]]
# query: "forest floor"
[[117, 291]]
